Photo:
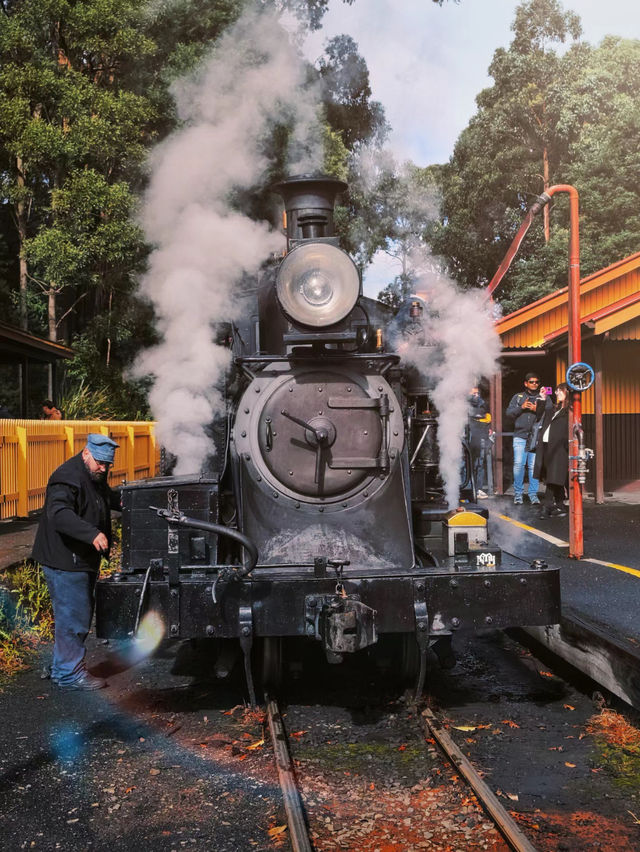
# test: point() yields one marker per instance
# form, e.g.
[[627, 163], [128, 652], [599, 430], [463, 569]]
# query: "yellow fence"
[[30, 450]]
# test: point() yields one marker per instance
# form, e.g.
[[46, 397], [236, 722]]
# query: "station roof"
[[609, 303], [17, 343]]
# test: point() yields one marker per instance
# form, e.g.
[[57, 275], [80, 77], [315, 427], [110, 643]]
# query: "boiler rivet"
[[420, 587], [348, 390], [523, 582], [453, 584], [244, 434], [247, 456], [488, 620], [366, 431], [321, 509], [210, 630], [380, 388], [290, 473], [349, 473], [174, 629], [455, 622], [246, 631], [319, 390], [174, 593], [275, 494], [395, 433], [344, 505], [487, 584], [365, 493], [246, 411], [297, 505], [290, 390]]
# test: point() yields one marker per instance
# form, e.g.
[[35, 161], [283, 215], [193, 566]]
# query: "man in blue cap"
[[73, 535]]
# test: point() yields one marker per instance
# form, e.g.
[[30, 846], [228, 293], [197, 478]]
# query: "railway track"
[[432, 726]]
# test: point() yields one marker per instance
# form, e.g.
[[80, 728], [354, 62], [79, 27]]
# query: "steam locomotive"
[[323, 516]]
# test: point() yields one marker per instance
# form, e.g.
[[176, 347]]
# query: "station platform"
[[600, 628]]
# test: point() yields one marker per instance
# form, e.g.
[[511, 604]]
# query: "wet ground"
[[168, 758]]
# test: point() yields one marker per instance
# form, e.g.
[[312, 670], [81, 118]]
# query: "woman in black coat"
[[552, 453]]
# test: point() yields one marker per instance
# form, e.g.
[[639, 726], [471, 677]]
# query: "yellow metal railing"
[[30, 450]]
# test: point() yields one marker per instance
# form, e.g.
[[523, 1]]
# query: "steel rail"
[[293, 806], [498, 813]]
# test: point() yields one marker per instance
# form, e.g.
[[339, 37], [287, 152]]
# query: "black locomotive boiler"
[[322, 515]]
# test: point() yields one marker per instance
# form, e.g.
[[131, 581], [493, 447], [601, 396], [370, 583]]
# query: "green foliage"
[[577, 110], [347, 94]]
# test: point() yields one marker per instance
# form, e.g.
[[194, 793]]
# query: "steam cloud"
[[466, 347], [203, 246]]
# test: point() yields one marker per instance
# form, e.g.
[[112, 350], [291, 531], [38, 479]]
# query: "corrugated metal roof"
[[608, 299]]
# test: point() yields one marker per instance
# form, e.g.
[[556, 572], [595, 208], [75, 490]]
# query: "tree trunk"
[[21, 220], [51, 313], [545, 180]]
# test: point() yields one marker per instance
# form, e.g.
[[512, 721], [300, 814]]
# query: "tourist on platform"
[[552, 453], [525, 408]]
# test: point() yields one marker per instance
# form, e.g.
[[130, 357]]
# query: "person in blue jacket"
[[73, 535], [525, 408]]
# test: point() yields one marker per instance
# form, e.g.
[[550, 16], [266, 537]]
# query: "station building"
[[536, 338]]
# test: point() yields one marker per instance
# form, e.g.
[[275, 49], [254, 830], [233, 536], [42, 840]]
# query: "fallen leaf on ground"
[[568, 707], [257, 744], [545, 674], [276, 830], [510, 723], [570, 765], [464, 727]]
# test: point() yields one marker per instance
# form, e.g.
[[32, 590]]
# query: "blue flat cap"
[[101, 447]]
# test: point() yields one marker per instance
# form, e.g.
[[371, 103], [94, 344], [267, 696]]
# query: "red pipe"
[[576, 533], [576, 529]]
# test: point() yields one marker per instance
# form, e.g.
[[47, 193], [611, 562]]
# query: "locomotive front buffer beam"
[[344, 616]]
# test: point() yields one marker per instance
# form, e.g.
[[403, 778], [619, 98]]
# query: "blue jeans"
[[72, 596], [520, 458]]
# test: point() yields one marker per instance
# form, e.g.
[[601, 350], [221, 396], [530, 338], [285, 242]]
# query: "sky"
[[427, 63]]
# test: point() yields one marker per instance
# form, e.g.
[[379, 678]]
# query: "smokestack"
[[309, 201]]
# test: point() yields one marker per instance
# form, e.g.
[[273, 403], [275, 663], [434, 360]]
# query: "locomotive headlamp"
[[318, 284]]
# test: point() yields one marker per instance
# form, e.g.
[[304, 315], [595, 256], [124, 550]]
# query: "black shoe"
[[84, 681], [557, 512]]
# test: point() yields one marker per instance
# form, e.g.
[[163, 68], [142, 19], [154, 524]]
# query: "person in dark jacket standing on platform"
[[524, 409], [552, 453], [73, 535]]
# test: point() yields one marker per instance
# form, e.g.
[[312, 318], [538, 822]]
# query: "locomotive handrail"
[[387, 359]]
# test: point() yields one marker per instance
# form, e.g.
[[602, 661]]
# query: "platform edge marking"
[[624, 568], [546, 536]]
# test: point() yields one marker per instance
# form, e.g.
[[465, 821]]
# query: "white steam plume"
[[465, 347], [203, 247]]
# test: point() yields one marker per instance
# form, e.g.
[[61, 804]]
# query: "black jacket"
[[523, 418], [76, 509], [552, 457]]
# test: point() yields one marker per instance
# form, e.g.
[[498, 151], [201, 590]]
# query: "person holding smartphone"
[[525, 409]]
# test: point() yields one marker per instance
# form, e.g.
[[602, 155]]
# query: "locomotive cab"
[[325, 516]]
